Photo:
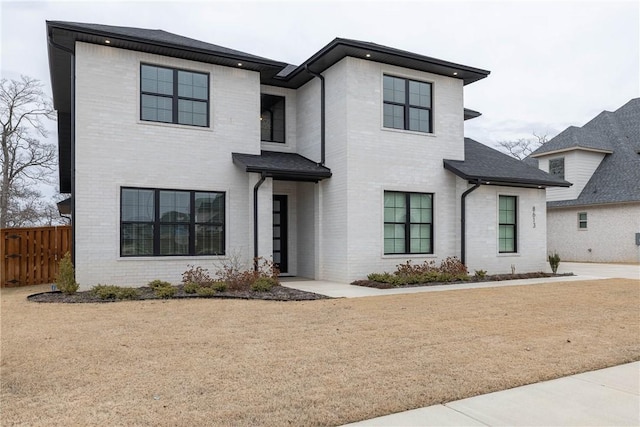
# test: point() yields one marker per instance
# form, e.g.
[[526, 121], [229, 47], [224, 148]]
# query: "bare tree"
[[522, 147], [25, 160]]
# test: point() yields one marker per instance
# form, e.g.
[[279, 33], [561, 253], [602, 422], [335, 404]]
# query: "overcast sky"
[[553, 63]]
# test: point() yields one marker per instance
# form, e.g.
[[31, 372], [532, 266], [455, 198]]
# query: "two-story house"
[[179, 152], [598, 218]]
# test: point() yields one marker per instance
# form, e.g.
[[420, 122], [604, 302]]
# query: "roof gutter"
[[322, 112], [463, 222], [72, 115]]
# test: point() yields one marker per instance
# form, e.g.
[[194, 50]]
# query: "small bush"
[[264, 284], [450, 269], [197, 275], [65, 279], [114, 292], [191, 288], [480, 274], [554, 262], [241, 278], [165, 292], [155, 284], [219, 286], [205, 291]]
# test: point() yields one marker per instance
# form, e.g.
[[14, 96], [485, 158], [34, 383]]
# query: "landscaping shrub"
[[165, 291], [196, 274], [205, 291], [219, 286], [114, 292], [480, 274], [554, 262], [450, 269], [264, 284], [191, 288], [155, 284], [241, 278], [65, 279]]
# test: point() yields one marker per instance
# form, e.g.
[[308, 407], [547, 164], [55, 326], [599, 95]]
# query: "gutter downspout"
[[72, 115], [322, 112], [463, 222], [255, 220]]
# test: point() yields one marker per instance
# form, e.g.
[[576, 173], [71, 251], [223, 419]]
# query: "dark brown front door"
[[280, 232]]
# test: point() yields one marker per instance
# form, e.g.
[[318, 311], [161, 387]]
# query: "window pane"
[[272, 118], [174, 240], [157, 108], [175, 206], [192, 85], [420, 238], [420, 94], [137, 205], [157, 80], [209, 208], [209, 240], [394, 89], [137, 239], [192, 113], [419, 120], [393, 116]]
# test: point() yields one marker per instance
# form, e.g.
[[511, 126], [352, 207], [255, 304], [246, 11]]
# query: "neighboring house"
[[179, 152], [598, 218]]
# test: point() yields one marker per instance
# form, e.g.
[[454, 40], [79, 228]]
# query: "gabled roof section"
[[617, 178], [282, 166], [491, 167]]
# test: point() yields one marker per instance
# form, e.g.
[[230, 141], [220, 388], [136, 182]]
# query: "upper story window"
[[407, 104], [174, 96], [272, 118], [556, 167], [582, 220]]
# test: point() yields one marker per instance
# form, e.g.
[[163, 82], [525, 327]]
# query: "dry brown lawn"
[[326, 362]]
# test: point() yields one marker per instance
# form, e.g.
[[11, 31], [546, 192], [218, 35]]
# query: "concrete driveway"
[[623, 271]]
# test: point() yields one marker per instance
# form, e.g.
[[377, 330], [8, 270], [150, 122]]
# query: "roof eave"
[[573, 148], [501, 181]]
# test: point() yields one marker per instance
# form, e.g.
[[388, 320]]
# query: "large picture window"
[[174, 96], [272, 118], [508, 224], [408, 223], [407, 104], [157, 222]]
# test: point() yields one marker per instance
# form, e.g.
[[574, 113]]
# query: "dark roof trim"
[[566, 150], [340, 48], [471, 114], [282, 166]]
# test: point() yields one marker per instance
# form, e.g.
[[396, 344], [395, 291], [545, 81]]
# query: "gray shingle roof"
[[282, 166], [493, 167], [617, 178]]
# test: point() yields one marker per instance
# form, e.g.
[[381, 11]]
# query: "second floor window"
[[174, 96], [272, 118], [407, 104], [556, 167]]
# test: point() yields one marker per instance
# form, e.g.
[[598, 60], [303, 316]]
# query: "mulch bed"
[[489, 278], [277, 293]]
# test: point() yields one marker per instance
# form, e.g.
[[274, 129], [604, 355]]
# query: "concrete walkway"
[[582, 271], [608, 397]]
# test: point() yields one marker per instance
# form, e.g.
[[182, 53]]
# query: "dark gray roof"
[[617, 178], [282, 166], [489, 166]]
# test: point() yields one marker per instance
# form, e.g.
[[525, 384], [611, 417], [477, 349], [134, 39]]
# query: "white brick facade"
[[336, 226]]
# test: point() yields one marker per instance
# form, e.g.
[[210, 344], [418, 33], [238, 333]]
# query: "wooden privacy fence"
[[30, 256]]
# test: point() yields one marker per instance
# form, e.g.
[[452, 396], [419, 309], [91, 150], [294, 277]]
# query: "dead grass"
[[326, 362]]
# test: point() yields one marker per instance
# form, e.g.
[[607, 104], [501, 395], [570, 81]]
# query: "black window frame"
[[407, 106], [582, 221], [513, 225], [175, 97], [556, 167], [157, 223], [407, 224], [284, 119]]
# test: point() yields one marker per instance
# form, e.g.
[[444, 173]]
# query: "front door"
[[280, 232]]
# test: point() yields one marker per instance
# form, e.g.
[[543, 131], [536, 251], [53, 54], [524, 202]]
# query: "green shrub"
[[450, 269], [114, 292], [191, 288], [264, 284], [155, 284], [205, 291], [65, 279], [165, 291], [219, 286], [554, 262], [480, 274]]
